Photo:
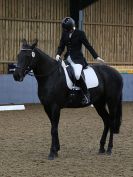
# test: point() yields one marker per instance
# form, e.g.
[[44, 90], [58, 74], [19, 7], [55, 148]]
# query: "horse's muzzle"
[[18, 75]]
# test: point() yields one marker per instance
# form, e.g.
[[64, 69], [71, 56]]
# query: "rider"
[[73, 39]]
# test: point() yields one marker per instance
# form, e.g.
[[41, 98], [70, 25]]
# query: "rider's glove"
[[100, 59], [57, 57]]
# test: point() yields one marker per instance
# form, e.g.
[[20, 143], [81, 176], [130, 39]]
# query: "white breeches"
[[77, 68]]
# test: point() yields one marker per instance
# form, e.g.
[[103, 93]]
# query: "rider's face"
[[68, 31]]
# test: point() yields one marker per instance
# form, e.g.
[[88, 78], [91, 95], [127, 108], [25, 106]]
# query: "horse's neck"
[[44, 63], [48, 72]]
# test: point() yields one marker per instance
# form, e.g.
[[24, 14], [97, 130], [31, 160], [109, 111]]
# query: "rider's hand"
[[100, 59], [57, 57]]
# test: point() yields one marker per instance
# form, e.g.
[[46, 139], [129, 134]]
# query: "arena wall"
[[108, 25], [29, 19], [12, 92]]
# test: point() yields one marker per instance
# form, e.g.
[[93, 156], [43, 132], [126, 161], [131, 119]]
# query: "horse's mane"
[[44, 55]]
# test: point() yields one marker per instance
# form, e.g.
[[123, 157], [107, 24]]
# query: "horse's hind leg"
[[101, 110], [53, 113], [115, 112]]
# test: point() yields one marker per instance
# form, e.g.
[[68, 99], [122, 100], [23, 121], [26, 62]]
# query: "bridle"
[[27, 71], [30, 67]]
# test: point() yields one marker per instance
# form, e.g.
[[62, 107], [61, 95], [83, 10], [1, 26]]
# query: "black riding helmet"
[[68, 23]]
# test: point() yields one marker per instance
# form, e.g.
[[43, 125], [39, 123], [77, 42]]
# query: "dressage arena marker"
[[12, 107]]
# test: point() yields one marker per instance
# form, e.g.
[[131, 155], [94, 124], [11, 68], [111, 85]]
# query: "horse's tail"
[[118, 117]]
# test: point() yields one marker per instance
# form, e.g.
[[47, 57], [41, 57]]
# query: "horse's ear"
[[24, 42], [34, 43]]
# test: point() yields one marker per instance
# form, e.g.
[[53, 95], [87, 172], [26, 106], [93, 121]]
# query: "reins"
[[43, 75]]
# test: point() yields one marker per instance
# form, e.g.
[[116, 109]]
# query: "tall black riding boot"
[[86, 99]]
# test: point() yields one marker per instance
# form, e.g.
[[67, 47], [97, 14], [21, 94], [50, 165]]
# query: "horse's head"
[[25, 60]]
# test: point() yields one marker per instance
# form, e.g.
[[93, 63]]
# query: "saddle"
[[88, 73], [76, 95], [70, 72]]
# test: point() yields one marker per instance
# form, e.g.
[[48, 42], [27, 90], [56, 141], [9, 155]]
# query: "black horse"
[[55, 95]]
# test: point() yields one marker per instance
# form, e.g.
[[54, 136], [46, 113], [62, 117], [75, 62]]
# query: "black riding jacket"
[[74, 45]]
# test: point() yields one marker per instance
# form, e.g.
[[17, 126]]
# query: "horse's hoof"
[[52, 156], [109, 152], [101, 151]]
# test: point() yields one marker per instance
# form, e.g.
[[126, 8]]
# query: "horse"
[[54, 93]]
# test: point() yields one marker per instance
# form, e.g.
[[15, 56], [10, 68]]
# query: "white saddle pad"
[[90, 78]]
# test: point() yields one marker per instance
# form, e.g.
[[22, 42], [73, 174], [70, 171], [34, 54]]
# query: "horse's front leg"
[[53, 112], [110, 144]]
